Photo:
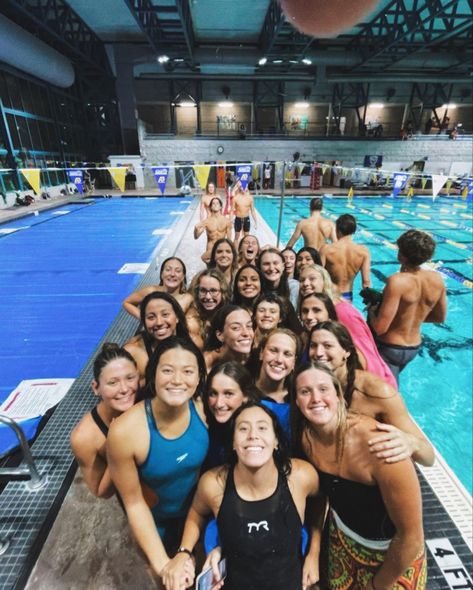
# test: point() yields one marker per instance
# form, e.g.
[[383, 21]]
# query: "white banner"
[[438, 180]]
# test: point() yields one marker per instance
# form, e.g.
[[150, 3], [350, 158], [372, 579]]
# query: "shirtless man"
[[205, 200], [242, 206], [316, 230], [411, 296], [216, 225], [344, 259]]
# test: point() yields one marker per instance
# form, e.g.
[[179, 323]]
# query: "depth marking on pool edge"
[[449, 563]]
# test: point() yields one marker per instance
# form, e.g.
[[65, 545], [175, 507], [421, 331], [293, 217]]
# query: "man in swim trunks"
[[242, 206], [411, 296], [216, 225], [344, 259], [316, 230]]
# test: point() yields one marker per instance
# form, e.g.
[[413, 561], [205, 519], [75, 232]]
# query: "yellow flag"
[[465, 192], [255, 172], [202, 173], [118, 174], [350, 193], [32, 176], [424, 181], [410, 193], [448, 186]]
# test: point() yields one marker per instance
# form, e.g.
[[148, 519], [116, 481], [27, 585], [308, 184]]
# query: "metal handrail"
[[36, 481]]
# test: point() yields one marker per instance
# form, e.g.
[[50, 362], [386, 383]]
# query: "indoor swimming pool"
[[437, 384], [61, 285]]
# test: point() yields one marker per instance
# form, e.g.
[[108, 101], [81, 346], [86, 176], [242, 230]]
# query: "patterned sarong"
[[351, 565]]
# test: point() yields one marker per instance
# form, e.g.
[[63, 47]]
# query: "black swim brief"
[[242, 222]]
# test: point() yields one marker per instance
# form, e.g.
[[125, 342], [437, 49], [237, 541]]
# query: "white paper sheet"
[[34, 397]]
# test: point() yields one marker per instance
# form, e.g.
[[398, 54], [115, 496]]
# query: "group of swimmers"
[[254, 410]]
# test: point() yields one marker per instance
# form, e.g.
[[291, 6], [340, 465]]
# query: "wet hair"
[[271, 297], [300, 424], [286, 332], [181, 327], [218, 324], [345, 340], [314, 254], [416, 246], [239, 374], [108, 353], [184, 282], [326, 300], [316, 204], [215, 199], [213, 273], [238, 298], [280, 454], [213, 264], [283, 288], [346, 225], [329, 287], [172, 343]]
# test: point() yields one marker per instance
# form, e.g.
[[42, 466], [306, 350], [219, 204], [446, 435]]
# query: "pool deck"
[[88, 544]]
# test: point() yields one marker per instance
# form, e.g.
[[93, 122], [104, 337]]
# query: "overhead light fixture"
[[376, 105], [262, 61], [449, 106], [277, 61], [178, 60], [225, 104], [293, 61], [307, 61], [163, 59], [301, 105], [186, 103]]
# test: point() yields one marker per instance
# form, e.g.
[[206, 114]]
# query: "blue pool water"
[[60, 287], [437, 385]]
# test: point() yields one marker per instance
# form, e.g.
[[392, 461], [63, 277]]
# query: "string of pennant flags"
[[246, 171]]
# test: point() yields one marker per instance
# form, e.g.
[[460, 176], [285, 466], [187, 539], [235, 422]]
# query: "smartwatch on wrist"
[[184, 550]]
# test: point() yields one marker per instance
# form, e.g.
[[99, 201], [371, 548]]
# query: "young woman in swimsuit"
[[259, 500], [172, 281], [224, 258], [248, 250], [375, 536], [398, 436], [162, 442], [230, 337], [289, 262], [247, 287], [161, 317], [210, 292], [115, 383], [269, 313]]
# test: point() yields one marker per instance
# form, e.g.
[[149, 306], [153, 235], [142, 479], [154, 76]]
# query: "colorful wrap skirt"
[[352, 563]]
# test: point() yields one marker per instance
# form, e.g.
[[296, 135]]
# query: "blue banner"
[[161, 177], [399, 182], [77, 177], [244, 175], [470, 188]]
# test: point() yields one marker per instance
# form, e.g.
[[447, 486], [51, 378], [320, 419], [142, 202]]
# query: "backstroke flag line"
[[118, 174], [161, 177], [243, 173], [77, 177], [202, 174], [32, 175]]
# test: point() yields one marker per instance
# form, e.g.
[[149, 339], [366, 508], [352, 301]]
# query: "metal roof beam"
[[271, 27]]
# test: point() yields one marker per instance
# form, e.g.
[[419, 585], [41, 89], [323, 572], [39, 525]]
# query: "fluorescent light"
[[225, 103], [301, 105], [307, 61], [449, 106], [187, 103], [163, 59], [262, 61], [277, 61], [178, 60], [376, 105], [293, 61]]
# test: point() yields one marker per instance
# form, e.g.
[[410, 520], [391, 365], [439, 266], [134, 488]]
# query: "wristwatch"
[[184, 550]]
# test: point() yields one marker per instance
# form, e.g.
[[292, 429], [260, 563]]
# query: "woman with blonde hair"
[[375, 529]]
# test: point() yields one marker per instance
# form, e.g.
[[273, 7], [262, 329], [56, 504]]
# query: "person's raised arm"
[[199, 229], [399, 436], [366, 270], [388, 308], [93, 467], [401, 495], [333, 233], [323, 254], [132, 303], [121, 450], [295, 236]]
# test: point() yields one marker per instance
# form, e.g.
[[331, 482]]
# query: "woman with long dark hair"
[[161, 317], [247, 286], [259, 499], [224, 258], [162, 442]]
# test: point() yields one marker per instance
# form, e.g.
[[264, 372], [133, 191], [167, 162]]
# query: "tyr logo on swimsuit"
[[257, 525]]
